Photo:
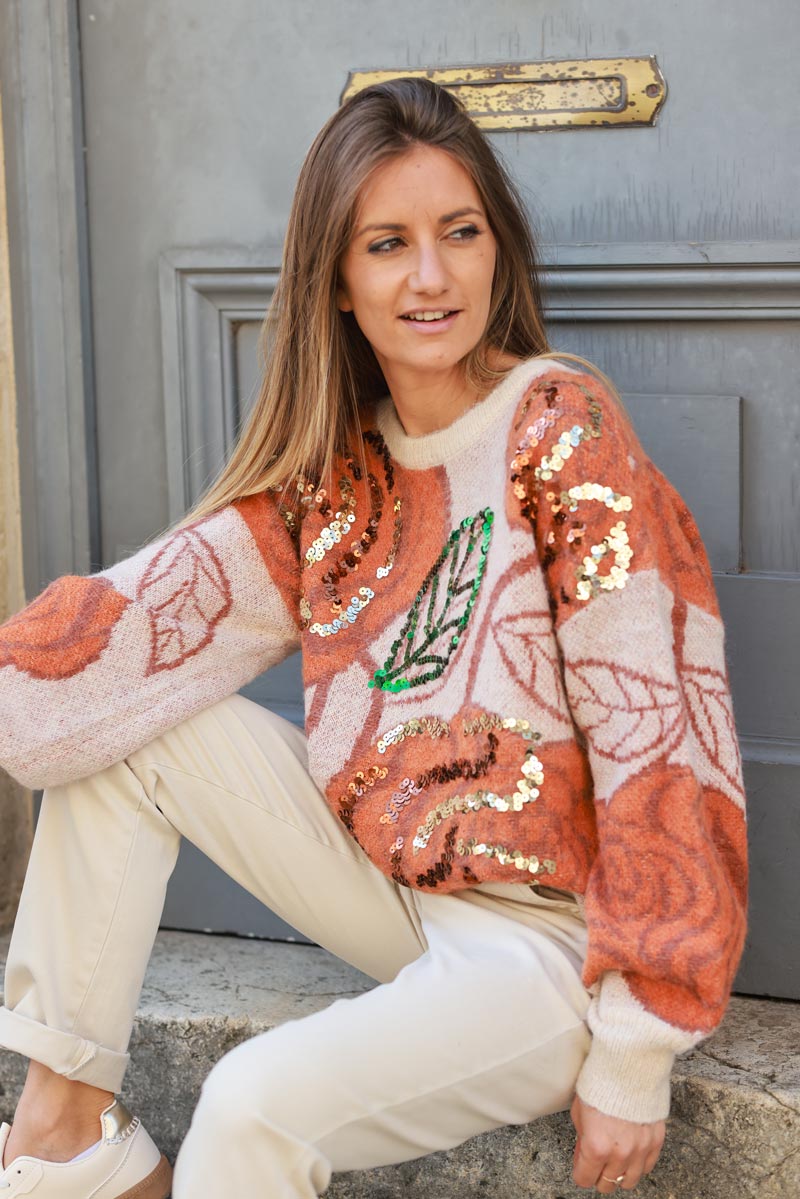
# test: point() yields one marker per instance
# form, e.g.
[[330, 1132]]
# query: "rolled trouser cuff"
[[63, 1052]]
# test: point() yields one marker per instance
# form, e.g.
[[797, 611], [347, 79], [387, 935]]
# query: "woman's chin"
[[447, 355]]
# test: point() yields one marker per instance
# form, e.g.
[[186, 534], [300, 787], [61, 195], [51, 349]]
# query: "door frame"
[[40, 66]]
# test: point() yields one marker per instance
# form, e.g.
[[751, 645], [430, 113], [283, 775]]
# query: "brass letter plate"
[[569, 94]]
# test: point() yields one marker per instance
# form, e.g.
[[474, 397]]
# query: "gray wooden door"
[[674, 256]]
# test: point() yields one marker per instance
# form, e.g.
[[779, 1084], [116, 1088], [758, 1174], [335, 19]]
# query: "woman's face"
[[417, 274]]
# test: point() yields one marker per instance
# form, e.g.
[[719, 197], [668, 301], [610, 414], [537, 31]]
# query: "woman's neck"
[[427, 402]]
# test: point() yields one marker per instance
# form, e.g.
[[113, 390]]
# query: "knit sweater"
[[514, 670]]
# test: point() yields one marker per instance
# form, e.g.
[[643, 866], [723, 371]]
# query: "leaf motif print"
[[187, 593], [529, 654], [436, 621], [626, 714], [711, 715]]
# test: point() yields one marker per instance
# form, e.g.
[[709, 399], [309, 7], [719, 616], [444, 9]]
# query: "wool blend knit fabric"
[[514, 671]]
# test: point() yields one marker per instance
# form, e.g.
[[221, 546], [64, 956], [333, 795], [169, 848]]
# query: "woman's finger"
[[639, 1164], [633, 1172], [588, 1165], [614, 1168], [653, 1155]]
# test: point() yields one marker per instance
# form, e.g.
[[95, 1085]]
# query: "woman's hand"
[[608, 1148]]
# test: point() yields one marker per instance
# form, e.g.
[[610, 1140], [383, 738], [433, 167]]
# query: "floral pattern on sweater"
[[514, 670]]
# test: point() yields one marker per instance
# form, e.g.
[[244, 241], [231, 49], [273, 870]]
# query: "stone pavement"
[[734, 1132]]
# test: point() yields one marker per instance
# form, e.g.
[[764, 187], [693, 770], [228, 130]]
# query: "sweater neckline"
[[443, 445]]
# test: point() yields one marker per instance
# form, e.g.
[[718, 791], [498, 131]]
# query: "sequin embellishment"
[[407, 789], [489, 727], [551, 412], [431, 726], [527, 788], [383, 571], [357, 604], [292, 518], [589, 581], [433, 641], [333, 533], [506, 857], [357, 786], [528, 479], [343, 614]]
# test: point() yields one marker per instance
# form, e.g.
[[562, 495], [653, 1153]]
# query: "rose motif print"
[[64, 630]]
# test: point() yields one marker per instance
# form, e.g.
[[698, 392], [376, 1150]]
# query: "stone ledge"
[[734, 1131]]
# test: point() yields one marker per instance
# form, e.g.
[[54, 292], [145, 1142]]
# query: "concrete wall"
[[16, 814]]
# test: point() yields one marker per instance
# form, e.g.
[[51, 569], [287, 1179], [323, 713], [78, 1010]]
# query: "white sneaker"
[[125, 1165]]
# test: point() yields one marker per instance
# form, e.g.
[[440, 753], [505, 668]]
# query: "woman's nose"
[[429, 273]]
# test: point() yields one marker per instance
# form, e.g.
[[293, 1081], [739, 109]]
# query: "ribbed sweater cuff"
[[629, 1081]]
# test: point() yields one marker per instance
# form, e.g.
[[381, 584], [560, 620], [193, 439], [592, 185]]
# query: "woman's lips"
[[431, 326]]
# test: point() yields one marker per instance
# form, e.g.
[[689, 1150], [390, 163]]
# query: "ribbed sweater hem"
[[626, 1080]]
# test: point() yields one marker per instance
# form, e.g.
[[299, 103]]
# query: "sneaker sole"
[[156, 1186]]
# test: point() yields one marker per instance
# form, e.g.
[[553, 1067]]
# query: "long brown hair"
[[319, 369]]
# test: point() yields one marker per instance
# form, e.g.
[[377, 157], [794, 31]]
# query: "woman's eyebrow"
[[443, 220]]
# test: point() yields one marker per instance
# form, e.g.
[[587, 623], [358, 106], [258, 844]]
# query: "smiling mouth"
[[439, 315]]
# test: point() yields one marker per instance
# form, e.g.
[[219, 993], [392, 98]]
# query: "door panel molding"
[[658, 293], [682, 281], [205, 296], [673, 253], [775, 751]]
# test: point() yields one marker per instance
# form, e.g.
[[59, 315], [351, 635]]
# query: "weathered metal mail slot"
[[569, 94]]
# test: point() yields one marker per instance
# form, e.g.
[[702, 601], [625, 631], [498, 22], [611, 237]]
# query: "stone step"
[[734, 1130]]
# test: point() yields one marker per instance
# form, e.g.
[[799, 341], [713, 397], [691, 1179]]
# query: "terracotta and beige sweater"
[[514, 670]]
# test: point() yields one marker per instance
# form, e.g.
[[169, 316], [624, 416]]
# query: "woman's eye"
[[383, 247], [466, 233]]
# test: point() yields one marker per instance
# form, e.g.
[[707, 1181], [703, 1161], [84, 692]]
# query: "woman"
[[519, 804]]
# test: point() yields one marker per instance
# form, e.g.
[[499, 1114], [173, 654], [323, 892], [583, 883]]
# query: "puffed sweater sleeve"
[[643, 658], [99, 665]]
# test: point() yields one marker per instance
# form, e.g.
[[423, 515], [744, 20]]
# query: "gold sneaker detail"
[[118, 1123]]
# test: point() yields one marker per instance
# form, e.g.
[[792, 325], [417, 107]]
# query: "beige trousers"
[[477, 1021]]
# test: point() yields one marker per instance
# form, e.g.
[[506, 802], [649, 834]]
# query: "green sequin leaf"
[[441, 611]]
